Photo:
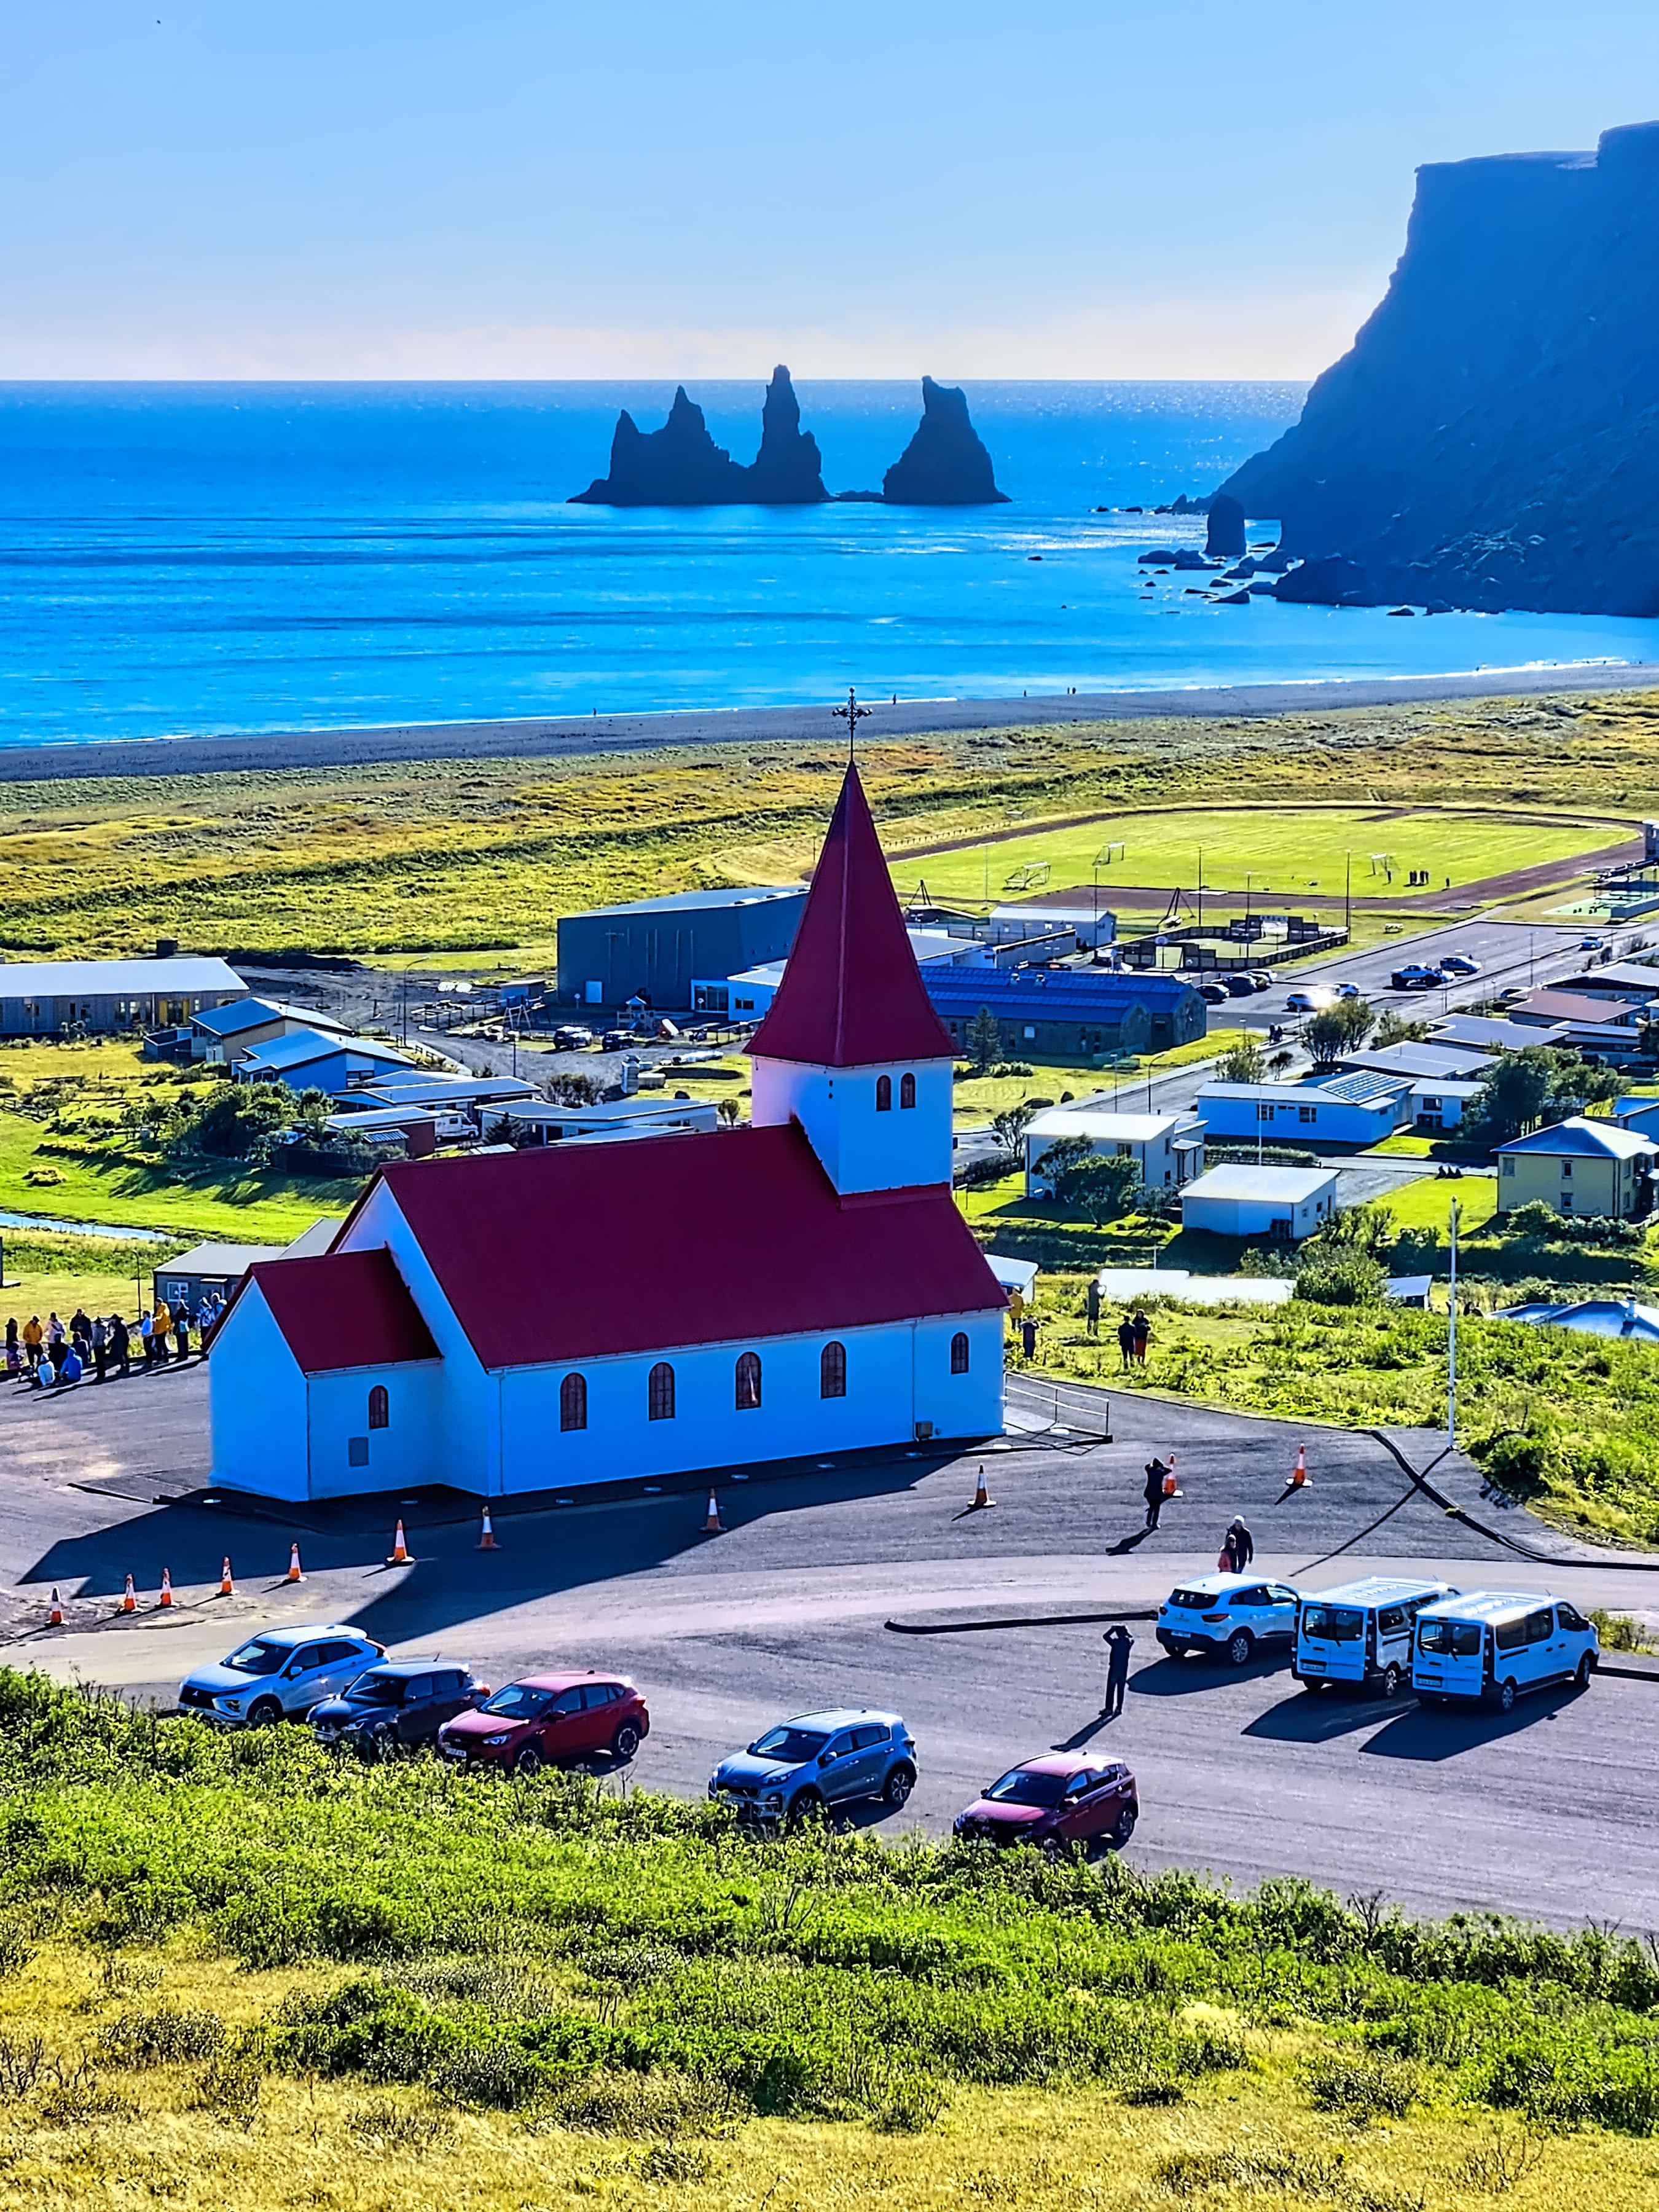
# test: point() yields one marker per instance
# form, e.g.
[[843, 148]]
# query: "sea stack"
[[1493, 438], [945, 464], [1226, 538], [680, 464]]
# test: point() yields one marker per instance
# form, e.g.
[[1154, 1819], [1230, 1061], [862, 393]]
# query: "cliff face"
[[1493, 438], [680, 464], [945, 464]]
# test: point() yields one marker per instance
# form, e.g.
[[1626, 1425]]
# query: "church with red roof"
[[509, 1323]]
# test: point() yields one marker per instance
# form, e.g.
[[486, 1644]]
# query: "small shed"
[[1285, 1203], [1014, 1274], [209, 1271]]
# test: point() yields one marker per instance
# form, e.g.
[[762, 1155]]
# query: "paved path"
[[1550, 1813]]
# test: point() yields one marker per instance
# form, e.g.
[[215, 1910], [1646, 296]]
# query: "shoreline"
[[547, 737]]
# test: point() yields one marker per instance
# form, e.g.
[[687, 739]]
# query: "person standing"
[[54, 1336], [120, 1345], [147, 1337], [81, 1324], [181, 1329], [1119, 1644], [1091, 1306], [1028, 1338], [1153, 1490], [1126, 1341], [14, 1348], [101, 1347], [1143, 1334], [33, 1336]]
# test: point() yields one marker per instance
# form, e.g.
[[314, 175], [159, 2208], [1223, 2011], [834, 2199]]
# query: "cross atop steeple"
[[852, 714]]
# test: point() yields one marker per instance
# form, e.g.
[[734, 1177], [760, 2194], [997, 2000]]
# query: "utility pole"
[[1452, 1335], [1347, 892]]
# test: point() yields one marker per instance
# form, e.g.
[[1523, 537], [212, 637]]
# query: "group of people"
[[1237, 1550], [54, 1352], [1135, 1331]]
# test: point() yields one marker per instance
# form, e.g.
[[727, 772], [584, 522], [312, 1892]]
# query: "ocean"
[[206, 558]]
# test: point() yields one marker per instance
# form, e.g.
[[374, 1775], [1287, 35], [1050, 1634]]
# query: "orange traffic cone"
[[983, 1500], [711, 1526], [166, 1598], [55, 1617], [1171, 1487], [487, 1538], [1299, 1472], [129, 1602], [293, 1574], [398, 1555], [227, 1588]]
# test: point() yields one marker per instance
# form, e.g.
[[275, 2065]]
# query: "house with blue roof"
[[223, 1036], [1067, 1013], [1360, 1108], [310, 1060]]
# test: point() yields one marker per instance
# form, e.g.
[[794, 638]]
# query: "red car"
[[549, 1720], [1056, 1802]]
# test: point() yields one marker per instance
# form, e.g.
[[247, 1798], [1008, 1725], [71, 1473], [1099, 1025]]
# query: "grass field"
[[476, 860], [236, 1976], [1287, 852]]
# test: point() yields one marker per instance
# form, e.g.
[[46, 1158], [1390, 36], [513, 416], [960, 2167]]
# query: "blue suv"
[[807, 1767]]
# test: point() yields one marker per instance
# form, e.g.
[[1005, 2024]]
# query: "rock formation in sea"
[[680, 464], [1493, 437], [1226, 533], [945, 464]]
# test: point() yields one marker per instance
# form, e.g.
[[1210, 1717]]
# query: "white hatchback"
[[1234, 1615]]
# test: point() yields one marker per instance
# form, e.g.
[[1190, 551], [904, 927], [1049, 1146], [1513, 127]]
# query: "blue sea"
[[199, 558]]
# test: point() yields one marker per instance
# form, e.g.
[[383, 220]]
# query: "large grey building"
[[651, 949], [56, 998]]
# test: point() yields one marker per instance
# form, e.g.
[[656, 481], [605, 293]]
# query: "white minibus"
[[1495, 1643], [1361, 1632]]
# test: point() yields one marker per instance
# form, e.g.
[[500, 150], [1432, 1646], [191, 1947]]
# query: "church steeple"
[[851, 1048]]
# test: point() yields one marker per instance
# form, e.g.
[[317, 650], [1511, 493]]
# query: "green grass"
[[236, 1973], [1425, 1202], [1289, 851]]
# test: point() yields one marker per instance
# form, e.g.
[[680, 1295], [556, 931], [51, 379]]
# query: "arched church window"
[[883, 1094], [959, 1352], [573, 1403], [659, 1393], [380, 1407], [832, 1372], [907, 1090], [748, 1382]]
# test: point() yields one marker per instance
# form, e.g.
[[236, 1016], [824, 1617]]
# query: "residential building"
[[1358, 1108], [1490, 1033], [1639, 1114], [1167, 1149], [1086, 927], [1285, 1204], [1624, 1320], [534, 1123], [309, 1060], [209, 1271], [225, 1036], [1581, 1165], [1417, 1060], [1068, 1013], [654, 950], [1618, 979], [1438, 1104], [103, 998], [514, 1321]]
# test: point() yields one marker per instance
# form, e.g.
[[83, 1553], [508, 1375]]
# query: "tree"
[[984, 1041], [1244, 1062], [1329, 1277], [236, 1120], [311, 1117], [1394, 1027], [1009, 1129], [1336, 1029], [1060, 1163], [1536, 1084], [1368, 1228], [1105, 1187]]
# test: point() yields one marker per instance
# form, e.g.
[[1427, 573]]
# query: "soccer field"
[[1272, 852]]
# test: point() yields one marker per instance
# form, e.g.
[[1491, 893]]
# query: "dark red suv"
[[549, 1720], [1056, 1802]]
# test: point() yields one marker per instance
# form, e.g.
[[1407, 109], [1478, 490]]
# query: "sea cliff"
[[1490, 440]]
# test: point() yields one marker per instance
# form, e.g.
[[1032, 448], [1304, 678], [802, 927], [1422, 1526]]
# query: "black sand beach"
[[531, 737]]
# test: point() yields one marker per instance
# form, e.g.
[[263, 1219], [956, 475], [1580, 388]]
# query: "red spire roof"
[[852, 994]]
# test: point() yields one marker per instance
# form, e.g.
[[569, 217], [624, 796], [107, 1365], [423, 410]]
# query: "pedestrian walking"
[[1091, 1306], [1028, 1337], [1154, 1492], [120, 1345], [1119, 1644], [1143, 1332], [101, 1347], [1126, 1341], [1241, 1544]]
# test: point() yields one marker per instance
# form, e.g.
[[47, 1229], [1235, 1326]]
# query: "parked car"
[[549, 1720], [1239, 987], [1262, 979], [1346, 990], [1214, 994], [278, 1675], [618, 1040], [1064, 1800], [1460, 963], [803, 1767], [399, 1706], [572, 1037], [1314, 1000], [1229, 1615], [1416, 977], [1493, 1644]]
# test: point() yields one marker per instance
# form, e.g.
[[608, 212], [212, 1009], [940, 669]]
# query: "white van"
[[1361, 1632], [1495, 1643]]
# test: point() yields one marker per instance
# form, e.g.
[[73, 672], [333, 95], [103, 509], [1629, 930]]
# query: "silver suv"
[[278, 1675]]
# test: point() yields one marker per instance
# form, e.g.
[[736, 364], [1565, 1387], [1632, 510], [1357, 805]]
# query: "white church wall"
[[968, 1405], [467, 1423], [408, 1450], [863, 1147], [707, 1430], [257, 1404]]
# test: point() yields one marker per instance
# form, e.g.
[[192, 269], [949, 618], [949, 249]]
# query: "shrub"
[[1620, 1632], [384, 2126], [160, 2039], [230, 2089], [1362, 2089], [611, 2104], [1336, 1277]]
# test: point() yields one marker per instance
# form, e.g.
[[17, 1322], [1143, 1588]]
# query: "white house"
[[1167, 1148], [510, 1322], [1289, 1203], [1359, 1109]]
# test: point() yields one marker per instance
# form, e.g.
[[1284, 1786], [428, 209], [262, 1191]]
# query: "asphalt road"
[[1549, 1813]]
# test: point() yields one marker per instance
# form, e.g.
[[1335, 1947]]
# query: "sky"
[[552, 188]]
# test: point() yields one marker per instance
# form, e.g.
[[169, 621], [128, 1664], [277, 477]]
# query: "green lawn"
[[1425, 1202], [1288, 852]]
